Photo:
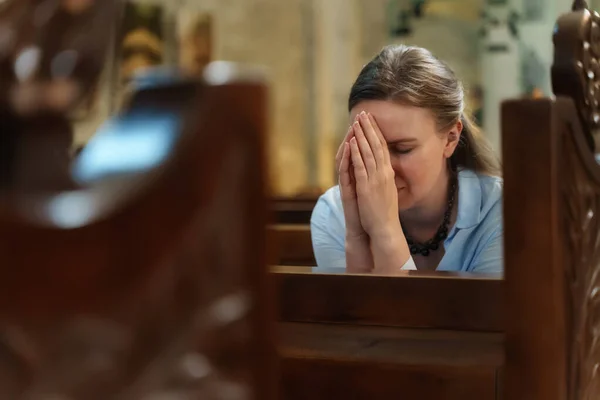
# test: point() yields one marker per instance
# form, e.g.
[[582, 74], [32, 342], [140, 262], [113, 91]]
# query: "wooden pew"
[[147, 278], [552, 223], [293, 210], [418, 336], [289, 231], [292, 245]]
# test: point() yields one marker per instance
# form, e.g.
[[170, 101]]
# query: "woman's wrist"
[[358, 254], [390, 249], [388, 235], [357, 237]]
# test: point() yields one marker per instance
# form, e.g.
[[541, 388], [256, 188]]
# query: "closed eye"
[[394, 150]]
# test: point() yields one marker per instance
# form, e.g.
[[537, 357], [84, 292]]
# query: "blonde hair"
[[413, 76]]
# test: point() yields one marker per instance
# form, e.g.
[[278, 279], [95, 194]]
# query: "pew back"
[[293, 210], [292, 245], [418, 335], [159, 269], [289, 231], [552, 206]]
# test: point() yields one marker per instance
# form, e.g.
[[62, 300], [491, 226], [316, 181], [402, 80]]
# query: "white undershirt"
[[409, 265]]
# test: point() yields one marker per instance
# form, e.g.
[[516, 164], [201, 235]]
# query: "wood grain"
[[417, 300], [292, 245]]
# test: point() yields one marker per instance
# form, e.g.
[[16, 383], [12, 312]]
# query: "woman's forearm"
[[358, 255], [390, 251]]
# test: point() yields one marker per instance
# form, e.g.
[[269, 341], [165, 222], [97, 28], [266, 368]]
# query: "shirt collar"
[[469, 200]]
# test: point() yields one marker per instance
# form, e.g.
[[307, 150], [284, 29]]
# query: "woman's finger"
[[338, 156], [372, 138], [366, 152], [384, 146], [344, 170], [360, 171], [349, 135]]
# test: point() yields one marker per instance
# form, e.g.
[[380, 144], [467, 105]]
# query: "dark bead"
[[442, 233]]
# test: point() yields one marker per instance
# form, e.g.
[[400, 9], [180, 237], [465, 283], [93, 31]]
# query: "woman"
[[419, 186]]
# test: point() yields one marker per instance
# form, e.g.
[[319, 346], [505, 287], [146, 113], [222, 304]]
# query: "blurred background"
[[313, 50]]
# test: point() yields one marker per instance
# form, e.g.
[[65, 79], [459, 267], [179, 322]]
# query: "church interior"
[[162, 162]]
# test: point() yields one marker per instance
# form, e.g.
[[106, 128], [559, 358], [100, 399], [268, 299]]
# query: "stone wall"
[[315, 48], [270, 33]]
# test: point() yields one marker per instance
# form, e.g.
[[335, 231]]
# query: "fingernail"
[[363, 113]]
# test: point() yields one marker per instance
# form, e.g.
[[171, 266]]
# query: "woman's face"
[[418, 151]]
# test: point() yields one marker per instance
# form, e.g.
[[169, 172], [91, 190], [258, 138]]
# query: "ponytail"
[[474, 151]]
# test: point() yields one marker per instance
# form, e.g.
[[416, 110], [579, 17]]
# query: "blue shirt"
[[474, 243]]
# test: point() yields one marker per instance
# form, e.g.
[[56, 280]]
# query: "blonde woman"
[[419, 186]]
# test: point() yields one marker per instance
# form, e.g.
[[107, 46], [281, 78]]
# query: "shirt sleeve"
[[328, 236]]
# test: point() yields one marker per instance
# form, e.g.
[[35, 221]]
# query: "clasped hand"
[[366, 178]]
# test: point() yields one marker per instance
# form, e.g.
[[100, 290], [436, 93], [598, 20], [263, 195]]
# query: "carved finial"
[[576, 68], [580, 5]]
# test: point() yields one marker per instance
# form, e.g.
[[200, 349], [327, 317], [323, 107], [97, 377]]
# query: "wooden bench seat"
[[421, 334]]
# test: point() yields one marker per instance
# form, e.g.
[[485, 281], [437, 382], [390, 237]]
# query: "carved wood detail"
[[576, 68], [576, 74], [580, 198], [579, 4]]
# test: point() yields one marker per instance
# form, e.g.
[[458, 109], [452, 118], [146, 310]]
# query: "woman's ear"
[[452, 139]]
